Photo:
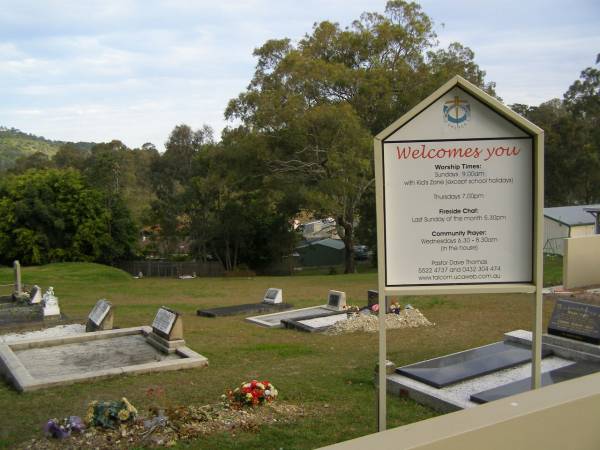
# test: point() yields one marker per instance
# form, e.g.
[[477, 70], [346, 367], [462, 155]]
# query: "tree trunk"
[[349, 265]]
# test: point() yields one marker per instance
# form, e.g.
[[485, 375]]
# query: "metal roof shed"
[[566, 221]]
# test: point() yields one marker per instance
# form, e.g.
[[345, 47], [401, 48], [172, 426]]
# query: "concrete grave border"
[[16, 373]]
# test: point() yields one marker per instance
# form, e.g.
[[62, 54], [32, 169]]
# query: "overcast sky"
[[132, 70]]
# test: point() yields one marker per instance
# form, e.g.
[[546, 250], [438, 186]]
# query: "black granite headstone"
[[575, 320], [450, 369], [554, 376]]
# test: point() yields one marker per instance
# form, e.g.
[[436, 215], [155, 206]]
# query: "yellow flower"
[[129, 406], [89, 418], [249, 396], [123, 415], [260, 385]]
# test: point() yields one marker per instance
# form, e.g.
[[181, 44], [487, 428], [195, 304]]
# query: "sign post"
[[459, 183]]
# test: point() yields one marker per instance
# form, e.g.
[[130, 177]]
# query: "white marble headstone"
[[273, 296], [35, 296], [50, 303], [336, 300]]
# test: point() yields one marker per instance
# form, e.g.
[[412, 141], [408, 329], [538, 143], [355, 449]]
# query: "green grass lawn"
[[330, 376]]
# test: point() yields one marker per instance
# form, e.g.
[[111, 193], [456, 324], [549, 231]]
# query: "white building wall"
[[582, 230], [554, 234]]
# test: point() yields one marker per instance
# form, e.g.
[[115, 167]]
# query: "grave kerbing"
[[101, 317], [167, 330]]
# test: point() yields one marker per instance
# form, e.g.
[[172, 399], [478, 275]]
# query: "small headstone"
[[336, 300], [373, 299], [18, 285], [167, 330], [35, 296], [50, 303], [273, 296], [579, 321], [101, 317]]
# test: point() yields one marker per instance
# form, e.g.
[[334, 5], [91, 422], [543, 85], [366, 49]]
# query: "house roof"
[[571, 215], [336, 244]]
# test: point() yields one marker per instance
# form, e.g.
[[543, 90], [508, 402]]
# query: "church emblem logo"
[[457, 112]]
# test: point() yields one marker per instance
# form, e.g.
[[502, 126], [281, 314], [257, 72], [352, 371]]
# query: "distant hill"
[[15, 143]]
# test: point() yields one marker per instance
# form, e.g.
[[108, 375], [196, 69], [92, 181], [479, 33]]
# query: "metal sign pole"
[[536, 344], [382, 410]]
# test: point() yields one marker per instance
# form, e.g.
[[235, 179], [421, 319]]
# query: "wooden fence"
[[171, 268]]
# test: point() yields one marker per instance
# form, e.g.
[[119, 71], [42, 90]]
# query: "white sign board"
[[459, 205], [458, 187]]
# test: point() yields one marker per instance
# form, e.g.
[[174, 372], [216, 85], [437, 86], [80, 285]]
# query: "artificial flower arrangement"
[[395, 308], [352, 310], [110, 414], [63, 428], [251, 393]]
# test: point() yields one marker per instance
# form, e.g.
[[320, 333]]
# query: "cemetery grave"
[[272, 301], [28, 308], [336, 303], [461, 380], [42, 363]]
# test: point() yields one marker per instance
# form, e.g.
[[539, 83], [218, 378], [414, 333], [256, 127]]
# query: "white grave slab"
[[324, 321]]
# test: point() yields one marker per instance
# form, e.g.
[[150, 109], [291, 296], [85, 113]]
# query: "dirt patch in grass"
[[181, 423]]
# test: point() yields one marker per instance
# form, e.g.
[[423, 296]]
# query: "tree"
[[319, 102], [237, 214], [171, 175], [37, 160], [572, 149], [69, 155], [52, 215]]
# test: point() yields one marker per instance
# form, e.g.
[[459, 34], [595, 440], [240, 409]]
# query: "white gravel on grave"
[[408, 318], [46, 333]]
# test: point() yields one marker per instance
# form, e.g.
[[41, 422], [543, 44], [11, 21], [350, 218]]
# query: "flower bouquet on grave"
[[253, 393], [110, 414], [395, 308], [63, 428], [375, 309], [352, 310]]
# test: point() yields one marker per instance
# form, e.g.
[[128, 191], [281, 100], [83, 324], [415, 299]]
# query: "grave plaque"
[[167, 330], [575, 320], [164, 321], [273, 296], [373, 299], [35, 295], [336, 300], [101, 316]]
